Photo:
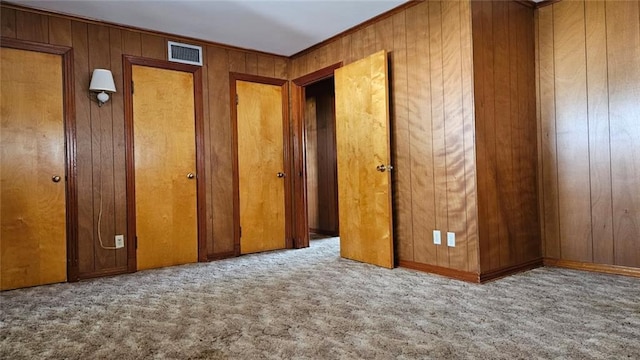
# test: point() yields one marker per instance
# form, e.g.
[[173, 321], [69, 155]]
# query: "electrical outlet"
[[119, 241], [436, 237], [451, 239]]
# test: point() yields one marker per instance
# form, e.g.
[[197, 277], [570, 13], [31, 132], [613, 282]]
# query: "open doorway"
[[321, 165], [360, 113]]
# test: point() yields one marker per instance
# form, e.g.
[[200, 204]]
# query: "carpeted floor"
[[310, 304]]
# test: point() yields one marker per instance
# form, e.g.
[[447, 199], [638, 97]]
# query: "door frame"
[[300, 203], [128, 62], [233, 77], [69, 131]]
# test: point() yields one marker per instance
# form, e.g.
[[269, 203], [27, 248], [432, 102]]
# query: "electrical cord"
[[100, 211]]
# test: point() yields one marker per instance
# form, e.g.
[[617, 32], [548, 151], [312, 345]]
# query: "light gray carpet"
[[310, 304]]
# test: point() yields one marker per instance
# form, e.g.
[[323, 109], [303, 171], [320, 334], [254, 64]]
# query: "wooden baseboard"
[[220, 256], [97, 274], [439, 270], [601, 268], [323, 232], [510, 270]]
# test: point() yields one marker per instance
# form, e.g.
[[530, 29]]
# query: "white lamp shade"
[[102, 80]]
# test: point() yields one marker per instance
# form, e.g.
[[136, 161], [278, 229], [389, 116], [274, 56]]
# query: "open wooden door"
[[33, 237], [364, 157]]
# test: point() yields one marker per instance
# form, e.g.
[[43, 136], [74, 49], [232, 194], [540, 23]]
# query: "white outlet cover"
[[451, 239], [436, 237]]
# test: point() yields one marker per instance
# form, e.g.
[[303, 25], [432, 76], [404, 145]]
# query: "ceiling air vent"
[[184, 53]]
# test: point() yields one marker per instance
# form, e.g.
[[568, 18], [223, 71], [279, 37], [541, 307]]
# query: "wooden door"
[[32, 170], [363, 151], [165, 167], [261, 171]]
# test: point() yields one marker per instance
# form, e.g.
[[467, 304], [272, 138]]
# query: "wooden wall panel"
[[422, 204], [588, 75], [548, 155], [60, 31], [117, 157], [623, 58], [401, 152], [311, 128], [84, 159], [572, 133], [32, 27], [322, 202], [429, 47], [100, 130], [8, 23], [598, 113], [505, 118], [102, 154]]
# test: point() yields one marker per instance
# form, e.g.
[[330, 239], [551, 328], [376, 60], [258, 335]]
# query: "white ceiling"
[[282, 27]]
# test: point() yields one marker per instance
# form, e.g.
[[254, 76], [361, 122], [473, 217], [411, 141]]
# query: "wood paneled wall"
[[100, 131], [504, 72], [322, 186], [432, 124], [588, 75]]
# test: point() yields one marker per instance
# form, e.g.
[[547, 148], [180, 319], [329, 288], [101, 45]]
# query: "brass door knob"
[[280, 175], [55, 178], [190, 176]]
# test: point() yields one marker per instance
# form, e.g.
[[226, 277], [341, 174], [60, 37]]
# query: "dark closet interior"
[[322, 184]]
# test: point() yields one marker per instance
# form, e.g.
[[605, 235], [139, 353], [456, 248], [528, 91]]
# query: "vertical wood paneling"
[[530, 200], [454, 141], [84, 158], [515, 203], [100, 130], [60, 31], [503, 183], [438, 126], [572, 131], [8, 23], [598, 112], [590, 105], [623, 58], [251, 64], [266, 66], [32, 27], [131, 43], [420, 135], [281, 70], [508, 227], [237, 62], [154, 47], [221, 187], [311, 128], [208, 196], [546, 98], [102, 154], [118, 146], [468, 111], [401, 151], [432, 119]]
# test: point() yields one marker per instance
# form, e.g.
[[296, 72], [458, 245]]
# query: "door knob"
[[383, 168], [190, 176], [280, 175], [55, 178]]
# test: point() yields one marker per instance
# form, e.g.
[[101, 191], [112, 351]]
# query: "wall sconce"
[[102, 83]]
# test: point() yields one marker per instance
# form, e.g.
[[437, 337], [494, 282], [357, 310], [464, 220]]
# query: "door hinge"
[[237, 99], [131, 87], [136, 242], [240, 231]]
